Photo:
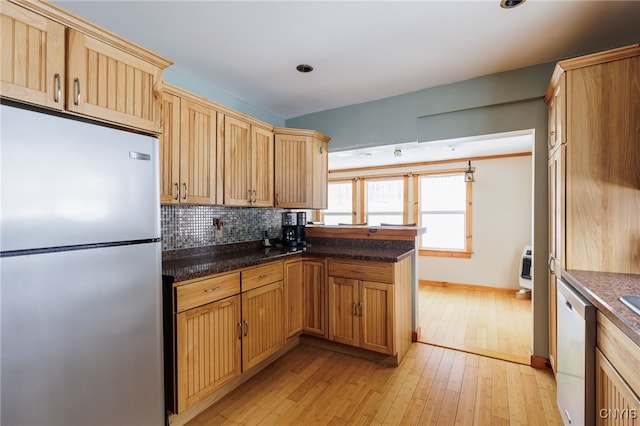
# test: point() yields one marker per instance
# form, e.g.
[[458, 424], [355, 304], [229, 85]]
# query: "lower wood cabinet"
[[262, 324], [314, 297], [293, 298], [207, 343], [370, 305], [617, 376]]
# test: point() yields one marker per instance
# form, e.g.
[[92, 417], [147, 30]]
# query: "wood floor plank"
[[433, 385], [484, 321]]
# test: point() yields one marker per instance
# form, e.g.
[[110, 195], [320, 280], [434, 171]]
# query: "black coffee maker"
[[293, 232]]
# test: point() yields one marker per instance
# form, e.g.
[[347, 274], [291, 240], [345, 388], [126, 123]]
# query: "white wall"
[[501, 212]]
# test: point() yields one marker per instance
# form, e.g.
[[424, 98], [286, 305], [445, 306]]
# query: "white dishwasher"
[[575, 368]]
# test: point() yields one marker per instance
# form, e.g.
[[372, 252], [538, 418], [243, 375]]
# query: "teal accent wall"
[[175, 77], [507, 101]]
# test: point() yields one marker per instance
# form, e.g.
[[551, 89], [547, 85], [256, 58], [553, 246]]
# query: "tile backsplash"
[[193, 226]]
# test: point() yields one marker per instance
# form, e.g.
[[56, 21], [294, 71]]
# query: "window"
[[339, 203], [445, 212], [385, 201]]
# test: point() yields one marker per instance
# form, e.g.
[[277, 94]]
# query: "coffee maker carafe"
[[301, 238]]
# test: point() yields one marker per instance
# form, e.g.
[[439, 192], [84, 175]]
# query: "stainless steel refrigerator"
[[80, 273]]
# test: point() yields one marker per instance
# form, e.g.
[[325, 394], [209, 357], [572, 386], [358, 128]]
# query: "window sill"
[[445, 253]]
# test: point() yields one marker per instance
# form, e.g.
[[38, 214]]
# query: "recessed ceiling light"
[[304, 68], [510, 4]]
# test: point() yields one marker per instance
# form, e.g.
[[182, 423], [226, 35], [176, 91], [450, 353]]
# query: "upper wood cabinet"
[[187, 149], [301, 169], [93, 72], [248, 164], [33, 57], [599, 181]]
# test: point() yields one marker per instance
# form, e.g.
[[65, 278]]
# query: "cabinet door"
[[107, 83], [314, 293], [262, 321], [554, 181], [557, 111], [616, 403], [197, 153], [208, 349], [261, 169], [33, 57], [320, 168], [344, 311], [169, 140], [237, 162], [293, 298], [293, 172], [376, 316]]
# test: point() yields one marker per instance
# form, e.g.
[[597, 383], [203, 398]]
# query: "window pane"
[[340, 197], [444, 231], [443, 193], [385, 201]]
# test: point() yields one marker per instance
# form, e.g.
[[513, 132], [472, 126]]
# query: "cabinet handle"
[[240, 330], [354, 309], [359, 309], [177, 191], [76, 86], [255, 196], [551, 262], [246, 327], [355, 271], [56, 79], [184, 187], [249, 195], [209, 290], [277, 200]]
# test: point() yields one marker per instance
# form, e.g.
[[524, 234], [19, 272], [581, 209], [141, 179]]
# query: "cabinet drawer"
[[261, 275], [362, 270], [621, 351], [208, 290]]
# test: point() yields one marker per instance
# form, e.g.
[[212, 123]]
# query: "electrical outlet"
[[218, 233]]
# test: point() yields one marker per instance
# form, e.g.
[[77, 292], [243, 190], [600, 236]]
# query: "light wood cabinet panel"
[[314, 293], [362, 270], [262, 324], [170, 149], [208, 349], [344, 308], [110, 84], [188, 149], [248, 164], [301, 168], [601, 173], [377, 314], [33, 57], [557, 118], [197, 153], [293, 298], [556, 240], [361, 314], [616, 403], [199, 292]]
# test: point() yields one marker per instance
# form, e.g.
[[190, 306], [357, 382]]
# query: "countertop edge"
[[629, 330]]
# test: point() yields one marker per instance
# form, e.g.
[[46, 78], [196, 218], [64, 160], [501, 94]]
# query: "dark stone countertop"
[[603, 289], [187, 264]]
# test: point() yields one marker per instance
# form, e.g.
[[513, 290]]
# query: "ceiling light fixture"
[[510, 4], [304, 68]]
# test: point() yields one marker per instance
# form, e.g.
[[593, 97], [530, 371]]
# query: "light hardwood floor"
[[487, 322], [432, 385]]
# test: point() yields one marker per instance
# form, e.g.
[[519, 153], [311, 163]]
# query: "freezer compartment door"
[[82, 338], [65, 182]]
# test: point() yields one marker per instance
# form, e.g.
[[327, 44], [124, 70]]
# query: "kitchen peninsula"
[[231, 310]]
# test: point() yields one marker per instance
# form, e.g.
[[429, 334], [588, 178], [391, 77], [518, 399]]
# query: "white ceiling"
[[420, 152], [361, 50]]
